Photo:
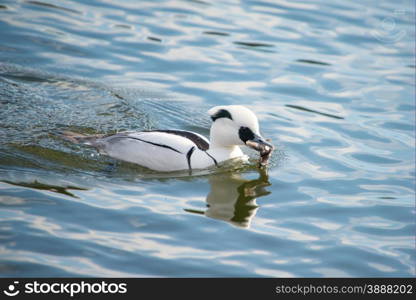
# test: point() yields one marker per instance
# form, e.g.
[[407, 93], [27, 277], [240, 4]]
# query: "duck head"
[[236, 125]]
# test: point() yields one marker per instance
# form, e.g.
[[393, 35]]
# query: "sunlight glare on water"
[[333, 86]]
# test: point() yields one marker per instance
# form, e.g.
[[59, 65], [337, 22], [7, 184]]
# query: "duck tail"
[[78, 138]]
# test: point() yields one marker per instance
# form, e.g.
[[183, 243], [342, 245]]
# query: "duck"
[[176, 150]]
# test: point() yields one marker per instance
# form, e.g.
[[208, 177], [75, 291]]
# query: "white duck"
[[173, 150]]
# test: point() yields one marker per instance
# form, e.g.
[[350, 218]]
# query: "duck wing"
[[161, 150], [199, 140]]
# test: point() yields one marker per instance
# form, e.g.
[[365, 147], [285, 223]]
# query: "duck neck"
[[223, 144], [221, 153], [219, 144]]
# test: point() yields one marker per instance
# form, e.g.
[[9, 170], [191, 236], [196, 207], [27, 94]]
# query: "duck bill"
[[259, 144]]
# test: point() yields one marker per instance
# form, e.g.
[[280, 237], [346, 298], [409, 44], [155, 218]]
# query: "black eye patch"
[[222, 113], [245, 134]]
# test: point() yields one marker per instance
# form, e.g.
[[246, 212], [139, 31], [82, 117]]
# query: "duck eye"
[[245, 134]]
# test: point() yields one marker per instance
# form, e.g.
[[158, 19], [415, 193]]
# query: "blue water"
[[332, 82]]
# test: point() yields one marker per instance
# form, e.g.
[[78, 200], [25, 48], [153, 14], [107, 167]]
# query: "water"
[[332, 82]]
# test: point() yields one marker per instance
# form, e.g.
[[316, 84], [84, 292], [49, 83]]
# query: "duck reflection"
[[233, 198]]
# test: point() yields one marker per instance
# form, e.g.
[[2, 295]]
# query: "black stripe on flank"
[[245, 134], [188, 157], [197, 140], [215, 161], [222, 113], [155, 144]]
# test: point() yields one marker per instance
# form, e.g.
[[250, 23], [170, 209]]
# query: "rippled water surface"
[[332, 82]]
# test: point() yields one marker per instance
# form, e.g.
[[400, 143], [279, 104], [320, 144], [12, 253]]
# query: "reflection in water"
[[48, 5], [233, 198], [53, 188], [313, 111], [313, 62], [331, 82]]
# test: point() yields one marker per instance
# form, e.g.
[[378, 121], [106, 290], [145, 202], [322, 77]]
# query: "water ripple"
[[331, 82]]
